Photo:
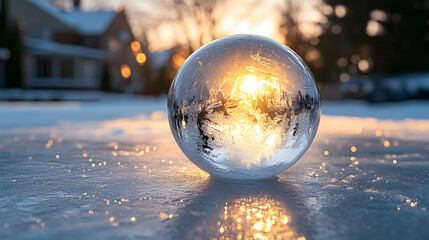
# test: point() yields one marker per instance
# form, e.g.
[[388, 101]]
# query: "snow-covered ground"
[[111, 170], [30, 114]]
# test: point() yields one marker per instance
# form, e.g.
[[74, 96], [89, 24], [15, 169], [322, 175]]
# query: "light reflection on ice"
[[111, 172]]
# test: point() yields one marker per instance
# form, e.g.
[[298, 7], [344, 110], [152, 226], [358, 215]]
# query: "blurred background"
[[374, 50]]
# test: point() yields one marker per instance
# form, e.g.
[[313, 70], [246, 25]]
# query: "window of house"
[[88, 41], [67, 68], [114, 45], [46, 33], [124, 36], [44, 66], [89, 68]]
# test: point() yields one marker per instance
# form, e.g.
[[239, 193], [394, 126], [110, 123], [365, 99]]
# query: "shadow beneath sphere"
[[263, 209]]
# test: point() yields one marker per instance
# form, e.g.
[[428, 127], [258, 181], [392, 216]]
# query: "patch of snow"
[[63, 49], [389, 110], [87, 23], [47, 7], [35, 114]]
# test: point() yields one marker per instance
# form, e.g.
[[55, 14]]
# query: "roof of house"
[[84, 22], [49, 47], [89, 23]]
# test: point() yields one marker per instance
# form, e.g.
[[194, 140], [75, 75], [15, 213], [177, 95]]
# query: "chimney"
[[76, 4]]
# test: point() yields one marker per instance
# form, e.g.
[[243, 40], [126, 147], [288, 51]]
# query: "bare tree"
[[195, 22], [290, 22], [198, 20], [294, 14]]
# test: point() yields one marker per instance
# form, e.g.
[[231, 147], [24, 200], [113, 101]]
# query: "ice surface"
[[108, 172], [244, 107]]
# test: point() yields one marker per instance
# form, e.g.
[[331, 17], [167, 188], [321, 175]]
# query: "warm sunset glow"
[[265, 27], [253, 85], [135, 46], [125, 71], [141, 58], [250, 84], [178, 60], [255, 218], [263, 20], [250, 88]]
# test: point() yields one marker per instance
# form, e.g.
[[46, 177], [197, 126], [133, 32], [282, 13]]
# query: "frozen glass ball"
[[244, 107]]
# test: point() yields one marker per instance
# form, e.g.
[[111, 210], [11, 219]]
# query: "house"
[[73, 49], [163, 67], [4, 55]]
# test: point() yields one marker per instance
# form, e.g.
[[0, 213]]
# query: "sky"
[[237, 17]]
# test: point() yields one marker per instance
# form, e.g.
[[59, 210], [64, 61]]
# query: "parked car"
[[357, 88], [400, 87]]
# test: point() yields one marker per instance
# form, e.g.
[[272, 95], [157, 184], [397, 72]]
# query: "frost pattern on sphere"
[[244, 107]]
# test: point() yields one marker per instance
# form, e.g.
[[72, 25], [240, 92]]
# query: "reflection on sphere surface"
[[244, 107]]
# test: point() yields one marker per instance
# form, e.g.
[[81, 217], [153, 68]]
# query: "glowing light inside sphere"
[[244, 107]]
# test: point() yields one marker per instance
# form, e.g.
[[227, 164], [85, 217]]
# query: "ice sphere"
[[244, 107]]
